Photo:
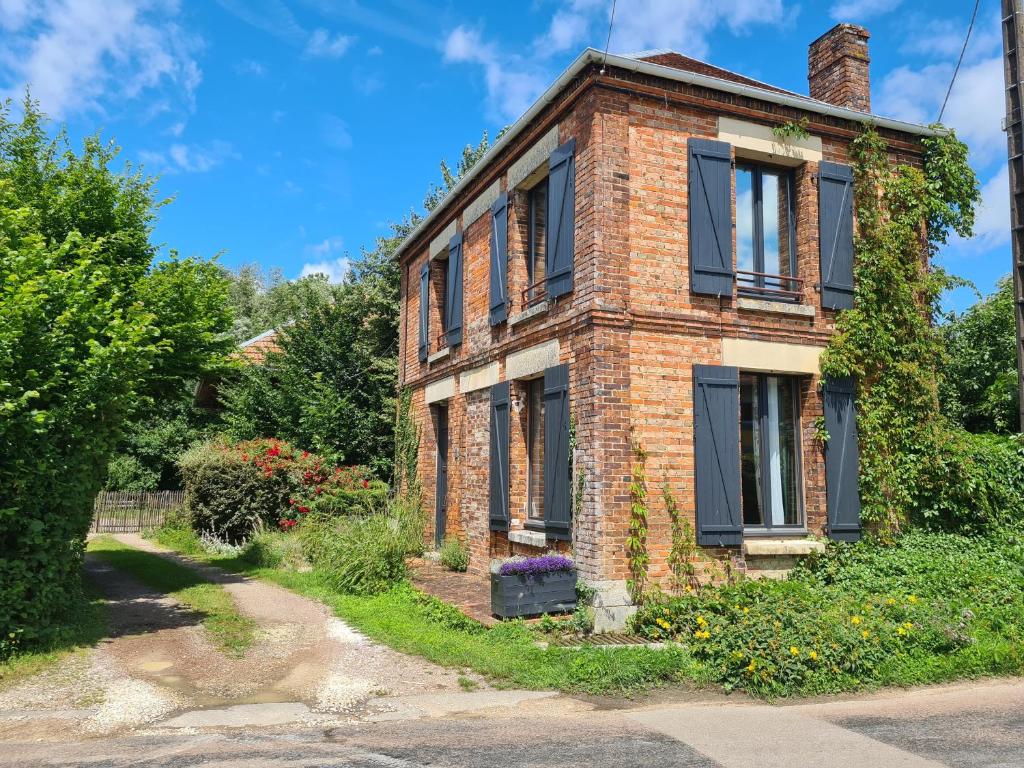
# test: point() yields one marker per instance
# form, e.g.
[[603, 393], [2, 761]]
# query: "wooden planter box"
[[533, 594]]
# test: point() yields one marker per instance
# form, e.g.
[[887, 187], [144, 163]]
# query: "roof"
[[670, 66], [255, 350]]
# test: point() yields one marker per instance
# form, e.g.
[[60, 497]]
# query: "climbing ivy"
[[889, 340], [407, 444], [636, 542], [792, 129]]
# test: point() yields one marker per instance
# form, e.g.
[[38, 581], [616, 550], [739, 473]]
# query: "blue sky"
[[291, 131]]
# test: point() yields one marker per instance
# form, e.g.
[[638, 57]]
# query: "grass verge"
[[82, 627], [231, 632]]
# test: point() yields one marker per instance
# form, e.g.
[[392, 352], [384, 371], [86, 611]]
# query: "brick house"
[[640, 260]]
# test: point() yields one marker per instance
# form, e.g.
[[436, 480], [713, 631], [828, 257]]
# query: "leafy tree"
[[76, 349], [979, 387], [332, 388], [261, 301]]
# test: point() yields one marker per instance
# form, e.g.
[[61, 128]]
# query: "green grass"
[[231, 632], [506, 655], [82, 627]]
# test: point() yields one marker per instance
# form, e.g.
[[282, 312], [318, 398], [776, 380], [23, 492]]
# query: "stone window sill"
[[529, 538], [441, 354], [529, 314], [775, 307], [780, 547]]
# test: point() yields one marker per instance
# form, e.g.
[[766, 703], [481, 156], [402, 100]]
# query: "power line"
[[959, 61], [608, 41]]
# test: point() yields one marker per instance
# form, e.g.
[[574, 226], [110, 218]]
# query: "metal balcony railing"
[[535, 293], [768, 286]]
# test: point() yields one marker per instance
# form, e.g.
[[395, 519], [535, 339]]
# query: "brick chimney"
[[837, 68]]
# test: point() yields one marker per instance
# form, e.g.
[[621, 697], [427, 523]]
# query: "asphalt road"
[[978, 725]]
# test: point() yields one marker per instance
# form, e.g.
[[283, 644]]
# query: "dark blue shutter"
[[561, 235], [842, 494], [499, 484], [557, 487], [499, 259], [835, 234], [710, 217], [453, 292], [716, 437], [424, 310]]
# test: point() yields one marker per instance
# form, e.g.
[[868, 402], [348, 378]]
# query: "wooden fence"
[[133, 511]]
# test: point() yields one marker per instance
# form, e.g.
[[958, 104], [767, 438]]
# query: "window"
[[770, 451], [536, 246], [765, 233], [535, 450]]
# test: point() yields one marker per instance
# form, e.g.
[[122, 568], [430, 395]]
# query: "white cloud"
[[334, 132], [190, 158], [858, 10], [512, 84], [975, 107], [322, 43], [176, 129], [325, 247], [992, 218], [683, 25], [250, 67], [77, 54], [335, 269]]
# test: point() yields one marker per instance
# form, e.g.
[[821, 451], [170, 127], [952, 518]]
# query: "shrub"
[[972, 482], [932, 606], [275, 549], [127, 473], [360, 555], [454, 554], [235, 490]]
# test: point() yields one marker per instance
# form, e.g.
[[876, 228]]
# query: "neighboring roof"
[[255, 349], [700, 74]]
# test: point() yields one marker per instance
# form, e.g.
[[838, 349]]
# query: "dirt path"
[[157, 668]]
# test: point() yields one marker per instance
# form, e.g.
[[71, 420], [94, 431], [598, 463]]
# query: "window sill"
[[781, 547], [529, 314], [528, 538], [441, 354], [775, 307]]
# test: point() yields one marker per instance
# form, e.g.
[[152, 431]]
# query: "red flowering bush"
[[234, 489]]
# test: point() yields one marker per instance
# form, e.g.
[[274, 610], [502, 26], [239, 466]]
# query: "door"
[[441, 498]]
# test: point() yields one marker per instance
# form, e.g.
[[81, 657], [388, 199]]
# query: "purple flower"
[[535, 565]]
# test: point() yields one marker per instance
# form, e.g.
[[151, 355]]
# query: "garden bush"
[[454, 554], [234, 490], [931, 607], [972, 482]]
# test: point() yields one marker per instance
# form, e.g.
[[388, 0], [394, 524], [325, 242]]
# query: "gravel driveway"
[[158, 669]]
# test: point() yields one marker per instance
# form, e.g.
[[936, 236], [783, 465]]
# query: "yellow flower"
[[855, 619], [662, 623], [751, 666], [794, 650], [746, 610], [911, 599], [865, 634], [901, 631], [689, 588], [701, 621], [908, 625], [891, 601], [813, 655]]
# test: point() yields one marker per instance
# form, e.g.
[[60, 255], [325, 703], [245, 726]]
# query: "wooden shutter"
[[561, 235], [557, 480], [835, 234], [499, 259], [424, 310], [710, 217], [499, 484], [716, 435], [842, 484], [453, 292]]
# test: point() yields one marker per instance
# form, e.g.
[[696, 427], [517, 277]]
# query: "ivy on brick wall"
[[407, 444], [889, 341]]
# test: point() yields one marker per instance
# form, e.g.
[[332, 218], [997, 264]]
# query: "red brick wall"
[[630, 331]]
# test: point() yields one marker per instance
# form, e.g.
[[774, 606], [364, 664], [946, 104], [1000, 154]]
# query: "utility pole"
[[1013, 70]]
